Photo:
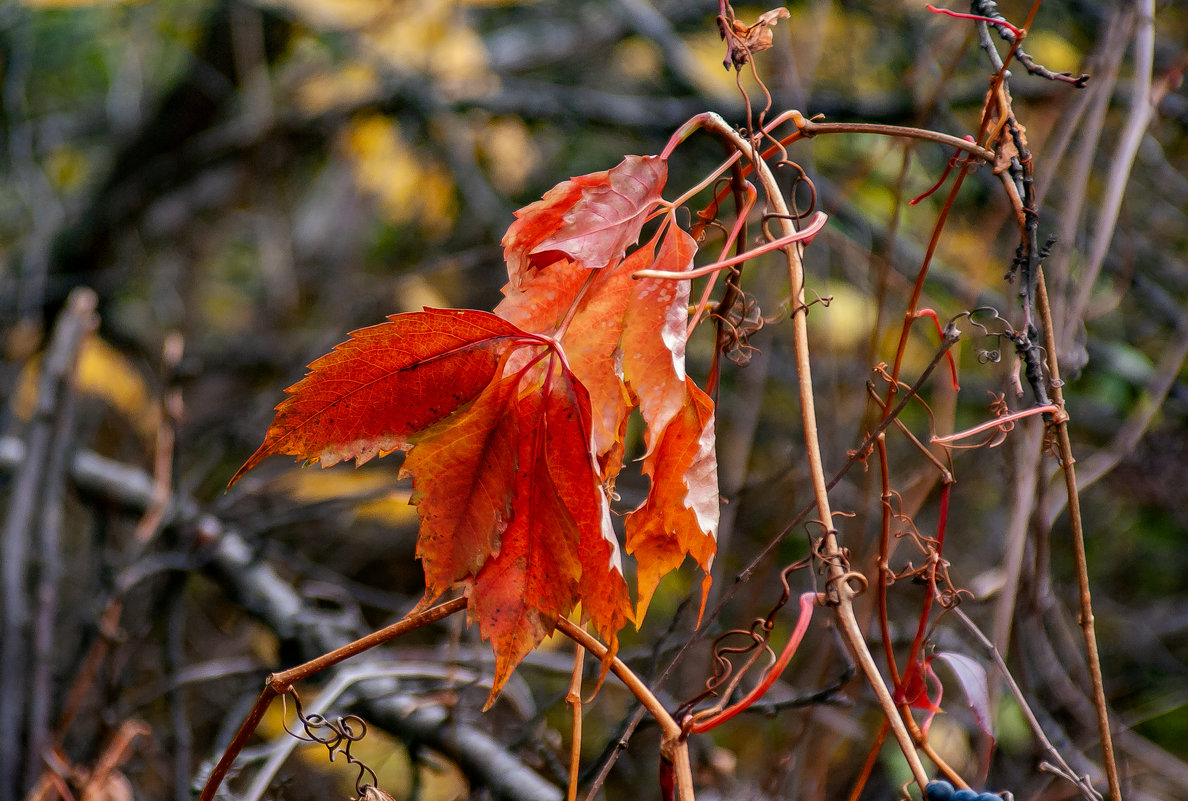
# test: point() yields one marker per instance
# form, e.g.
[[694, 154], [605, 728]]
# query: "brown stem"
[[246, 730], [574, 699], [284, 680], [673, 745], [840, 591], [1064, 447], [810, 128]]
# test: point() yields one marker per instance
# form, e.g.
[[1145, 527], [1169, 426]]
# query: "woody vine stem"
[[840, 592]]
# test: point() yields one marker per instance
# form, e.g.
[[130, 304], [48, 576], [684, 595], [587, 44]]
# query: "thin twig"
[[1064, 449], [1067, 772], [75, 324], [574, 699]]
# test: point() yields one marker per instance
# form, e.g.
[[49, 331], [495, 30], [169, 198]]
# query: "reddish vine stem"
[[807, 600], [883, 567], [872, 758], [930, 586]]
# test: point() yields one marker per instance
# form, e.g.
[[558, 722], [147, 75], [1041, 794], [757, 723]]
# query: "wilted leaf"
[[592, 219], [972, 678], [680, 515], [744, 40], [653, 345]]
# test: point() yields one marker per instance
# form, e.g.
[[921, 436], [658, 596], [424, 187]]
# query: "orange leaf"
[[464, 485], [653, 344], [590, 218], [680, 515], [592, 337], [384, 384]]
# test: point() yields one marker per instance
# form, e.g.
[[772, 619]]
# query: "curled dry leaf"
[[592, 219], [742, 40]]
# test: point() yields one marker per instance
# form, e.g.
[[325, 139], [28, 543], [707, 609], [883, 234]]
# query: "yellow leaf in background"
[[336, 87], [340, 14], [973, 249], [409, 187], [415, 293], [432, 37], [1053, 51], [847, 321], [441, 780], [383, 501], [66, 168], [103, 372], [77, 3], [497, 3], [509, 153], [637, 60]]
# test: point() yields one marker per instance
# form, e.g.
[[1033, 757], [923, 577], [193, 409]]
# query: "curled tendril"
[[739, 323], [757, 638], [801, 179], [974, 317], [990, 356], [337, 736]]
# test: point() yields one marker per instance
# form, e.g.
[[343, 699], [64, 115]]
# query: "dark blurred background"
[[240, 184]]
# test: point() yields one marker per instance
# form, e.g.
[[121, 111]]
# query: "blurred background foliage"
[[254, 179]]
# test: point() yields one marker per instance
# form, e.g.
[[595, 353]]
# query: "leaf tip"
[[262, 453]]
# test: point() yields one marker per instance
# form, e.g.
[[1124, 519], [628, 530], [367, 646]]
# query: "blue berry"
[[965, 795], [939, 790], [988, 797]]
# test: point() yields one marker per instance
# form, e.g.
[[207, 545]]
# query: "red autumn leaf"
[[464, 485], [593, 335], [555, 551], [542, 300], [913, 689], [591, 218], [384, 384], [518, 596], [516, 421], [680, 515], [575, 474], [622, 332]]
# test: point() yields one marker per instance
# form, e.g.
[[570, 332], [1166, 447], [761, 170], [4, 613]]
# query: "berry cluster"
[[941, 790]]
